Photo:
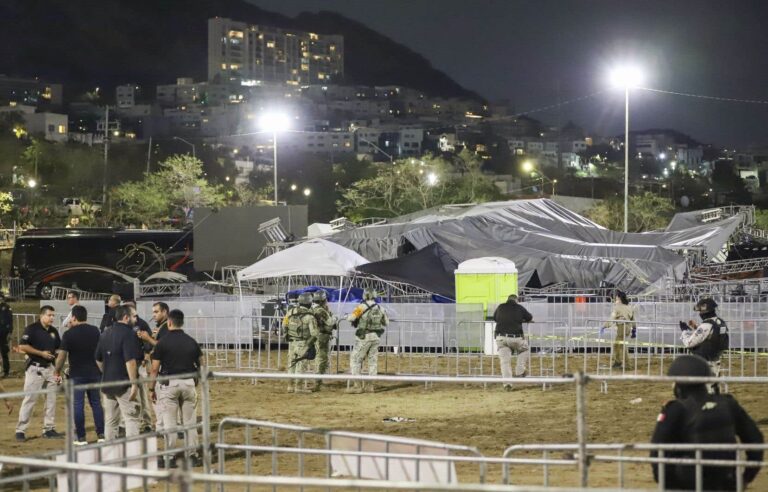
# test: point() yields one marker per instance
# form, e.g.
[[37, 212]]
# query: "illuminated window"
[[270, 44], [236, 34], [62, 129], [234, 66], [333, 47], [313, 36], [321, 76], [224, 66]]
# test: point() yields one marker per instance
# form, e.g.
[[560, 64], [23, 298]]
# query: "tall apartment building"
[[254, 54]]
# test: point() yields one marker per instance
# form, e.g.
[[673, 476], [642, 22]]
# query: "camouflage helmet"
[[305, 299], [319, 296], [369, 294]]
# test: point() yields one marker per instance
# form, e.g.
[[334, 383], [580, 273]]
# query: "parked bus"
[[95, 259]]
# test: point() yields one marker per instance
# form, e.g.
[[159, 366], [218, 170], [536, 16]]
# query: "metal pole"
[[581, 428], [149, 154], [69, 435], [626, 159], [106, 156], [274, 141], [205, 387]]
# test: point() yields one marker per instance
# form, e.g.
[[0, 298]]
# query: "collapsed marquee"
[[548, 243]]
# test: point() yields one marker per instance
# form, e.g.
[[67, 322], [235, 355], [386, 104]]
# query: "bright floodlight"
[[307, 192], [32, 183], [626, 76], [432, 179], [274, 122], [527, 166]]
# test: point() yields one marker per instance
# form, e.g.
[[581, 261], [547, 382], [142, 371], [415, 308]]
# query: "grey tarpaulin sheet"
[[543, 237]]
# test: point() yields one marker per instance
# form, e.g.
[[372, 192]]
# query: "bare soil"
[[487, 418]]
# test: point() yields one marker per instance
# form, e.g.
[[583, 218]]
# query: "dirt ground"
[[484, 417]]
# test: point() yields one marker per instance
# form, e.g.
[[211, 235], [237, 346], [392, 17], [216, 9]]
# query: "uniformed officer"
[[177, 354], [698, 417], [369, 320], [6, 328], [326, 323], [116, 356], [300, 327], [509, 318], [708, 339], [40, 342]]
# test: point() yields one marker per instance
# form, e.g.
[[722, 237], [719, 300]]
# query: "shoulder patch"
[[662, 417], [710, 405]]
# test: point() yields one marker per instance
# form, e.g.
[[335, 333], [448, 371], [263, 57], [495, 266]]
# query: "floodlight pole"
[[274, 148], [626, 158]]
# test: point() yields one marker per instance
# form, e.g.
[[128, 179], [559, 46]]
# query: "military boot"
[[355, 389]]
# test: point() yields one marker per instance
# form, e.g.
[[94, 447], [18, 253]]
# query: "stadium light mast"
[[274, 123], [626, 77]]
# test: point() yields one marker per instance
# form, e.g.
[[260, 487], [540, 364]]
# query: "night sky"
[[523, 50]]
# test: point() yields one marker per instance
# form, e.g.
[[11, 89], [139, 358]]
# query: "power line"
[[701, 96], [545, 108]]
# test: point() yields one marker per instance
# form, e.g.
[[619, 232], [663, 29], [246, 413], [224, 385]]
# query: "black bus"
[[96, 259]]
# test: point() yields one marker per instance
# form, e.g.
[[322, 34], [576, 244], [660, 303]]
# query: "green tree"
[[647, 212], [6, 203], [179, 185], [411, 185]]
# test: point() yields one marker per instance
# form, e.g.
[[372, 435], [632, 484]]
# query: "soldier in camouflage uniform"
[[300, 329], [369, 320], [326, 323]]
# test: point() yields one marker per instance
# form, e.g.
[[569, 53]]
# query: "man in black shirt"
[[175, 354], [509, 318], [40, 342], [116, 356], [6, 328], [79, 342], [160, 316], [109, 316], [698, 417], [142, 330]]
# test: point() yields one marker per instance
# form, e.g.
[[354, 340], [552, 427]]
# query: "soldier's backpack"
[[373, 320], [295, 328]]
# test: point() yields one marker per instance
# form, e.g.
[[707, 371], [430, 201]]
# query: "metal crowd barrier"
[[13, 287], [582, 454]]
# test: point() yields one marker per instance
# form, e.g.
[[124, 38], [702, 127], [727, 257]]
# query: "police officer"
[[369, 320], [697, 417], [177, 354], [708, 339], [6, 328], [509, 318], [116, 356], [40, 342], [326, 323], [300, 328]]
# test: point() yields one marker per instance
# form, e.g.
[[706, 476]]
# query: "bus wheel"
[[44, 290]]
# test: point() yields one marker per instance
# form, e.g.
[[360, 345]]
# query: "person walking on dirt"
[[623, 318], [509, 318], [369, 320], [698, 417]]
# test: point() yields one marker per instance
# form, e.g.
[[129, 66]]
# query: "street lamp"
[[275, 123], [188, 143], [626, 77], [529, 167], [431, 179]]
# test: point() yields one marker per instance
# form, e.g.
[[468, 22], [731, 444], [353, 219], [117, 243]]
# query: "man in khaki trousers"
[[177, 354]]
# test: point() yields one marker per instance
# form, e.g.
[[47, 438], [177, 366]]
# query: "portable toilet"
[[485, 281]]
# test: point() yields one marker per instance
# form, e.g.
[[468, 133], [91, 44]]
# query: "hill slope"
[[84, 44]]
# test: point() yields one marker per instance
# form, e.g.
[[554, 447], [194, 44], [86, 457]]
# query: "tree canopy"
[[647, 212], [409, 185]]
